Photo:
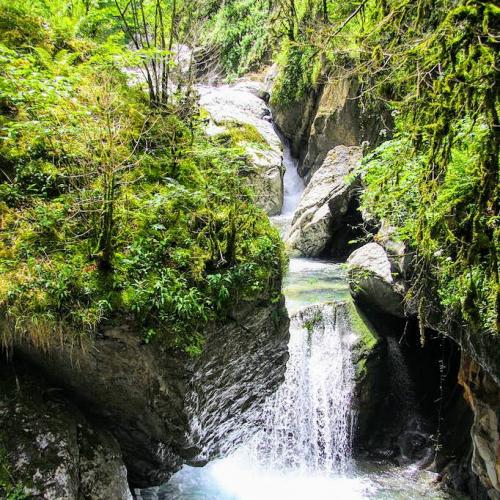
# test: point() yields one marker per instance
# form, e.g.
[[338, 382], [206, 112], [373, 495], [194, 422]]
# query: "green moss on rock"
[[368, 339]]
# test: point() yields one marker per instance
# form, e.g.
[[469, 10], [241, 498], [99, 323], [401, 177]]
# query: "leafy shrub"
[[112, 210]]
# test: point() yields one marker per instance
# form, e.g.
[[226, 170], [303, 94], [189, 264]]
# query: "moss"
[[238, 134], [368, 338], [361, 326], [314, 320], [10, 488]]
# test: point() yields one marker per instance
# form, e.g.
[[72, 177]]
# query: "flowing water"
[[303, 449], [293, 186], [306, 423]]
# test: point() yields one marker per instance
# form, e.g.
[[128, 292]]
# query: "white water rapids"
[[306, 424]]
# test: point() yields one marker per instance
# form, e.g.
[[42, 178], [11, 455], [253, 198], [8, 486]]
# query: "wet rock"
[[483, 396], [50, 450], [165, 408], [371, 279], [324, 204], [244, 103], [369, 353]]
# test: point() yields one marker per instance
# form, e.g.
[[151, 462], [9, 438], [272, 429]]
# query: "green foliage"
[[239, 134], [394, 192], [435, 64], [240, 33], [297, 75], [451, 119], [111, 209], [9, 488]]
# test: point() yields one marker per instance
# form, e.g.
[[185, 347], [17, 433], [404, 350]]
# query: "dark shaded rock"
[[242, 364], [165, 408], [369, 356], [50, 450], [294, 121]]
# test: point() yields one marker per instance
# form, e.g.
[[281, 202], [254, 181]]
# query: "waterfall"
[[293, 184], [293, 187], [306, 424]]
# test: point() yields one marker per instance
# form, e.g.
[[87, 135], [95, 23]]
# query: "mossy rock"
[[369, 357], [368, 338]]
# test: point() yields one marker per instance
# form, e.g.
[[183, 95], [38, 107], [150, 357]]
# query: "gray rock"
[[371, 279], [243, 103], [50, 450], [483, 396], [294, 121], [327, 116], [165, 408], [397, 252], [336, 122], [324, 203]]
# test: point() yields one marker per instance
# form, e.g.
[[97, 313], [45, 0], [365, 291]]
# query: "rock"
[[243, 103], [324, 204], [369, 353], [397, 252], [483, 396], [294, 121], [371, 280], [165, 408], [330, 115], [243, 363], [50, 450], [336, 122]]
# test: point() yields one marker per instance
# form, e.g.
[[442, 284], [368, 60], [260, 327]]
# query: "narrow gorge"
[[248, 250]]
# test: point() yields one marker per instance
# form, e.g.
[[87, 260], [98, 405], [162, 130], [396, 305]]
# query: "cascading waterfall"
[[293, 184], [303, 448], [306, 425], [293, 187]]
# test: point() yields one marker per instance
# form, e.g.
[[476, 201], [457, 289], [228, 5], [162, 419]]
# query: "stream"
[[303, 447]]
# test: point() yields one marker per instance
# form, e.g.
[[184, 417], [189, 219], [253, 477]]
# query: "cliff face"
[[483, 396], [330, 115], [164, 408]]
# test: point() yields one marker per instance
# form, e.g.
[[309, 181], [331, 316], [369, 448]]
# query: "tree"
[[150, 25]]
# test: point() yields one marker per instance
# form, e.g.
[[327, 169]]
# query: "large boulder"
[[49, 450], [326, 201], [164, 407], [371, 280], [243, 105]]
